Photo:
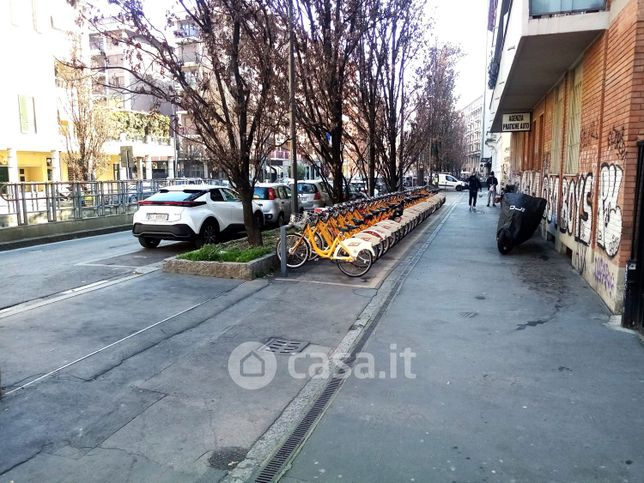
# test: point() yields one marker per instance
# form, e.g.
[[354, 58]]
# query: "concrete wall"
[[47, 232]]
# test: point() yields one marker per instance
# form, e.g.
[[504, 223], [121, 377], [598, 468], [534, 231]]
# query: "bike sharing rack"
[[433, 194]]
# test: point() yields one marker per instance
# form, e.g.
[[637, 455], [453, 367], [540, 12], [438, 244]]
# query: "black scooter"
[[519, 218]]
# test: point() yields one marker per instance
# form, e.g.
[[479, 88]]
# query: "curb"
[[29, 242], [243, 271], [273, 438]]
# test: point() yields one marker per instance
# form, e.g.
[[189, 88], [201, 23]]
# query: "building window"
[[574, 125], [27, 112], [557, 128]]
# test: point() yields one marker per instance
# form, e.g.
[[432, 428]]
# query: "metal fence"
[[49, 202]]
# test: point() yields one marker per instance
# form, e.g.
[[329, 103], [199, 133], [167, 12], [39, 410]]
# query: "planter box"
[[243, 271]]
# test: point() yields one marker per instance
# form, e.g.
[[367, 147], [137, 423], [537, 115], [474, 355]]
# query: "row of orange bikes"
[[356, 234]]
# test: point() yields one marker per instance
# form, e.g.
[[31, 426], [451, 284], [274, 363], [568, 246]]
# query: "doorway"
[[634, 296]]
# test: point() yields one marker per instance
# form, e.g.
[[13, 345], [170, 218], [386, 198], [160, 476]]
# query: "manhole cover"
[[279, 345]]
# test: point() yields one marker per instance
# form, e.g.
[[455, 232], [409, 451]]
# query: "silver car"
[[275, 201], [313, 194]]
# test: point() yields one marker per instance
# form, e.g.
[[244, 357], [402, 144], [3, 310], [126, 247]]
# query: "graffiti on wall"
[[603, 275], [589, 134], [531, 183], [616, 142], [609, 214], [580, 259], [577, 207], [550, 191]]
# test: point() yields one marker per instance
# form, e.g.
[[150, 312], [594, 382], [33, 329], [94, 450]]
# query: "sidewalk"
[[517, 376]]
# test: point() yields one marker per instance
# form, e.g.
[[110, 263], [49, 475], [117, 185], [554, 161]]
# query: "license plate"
[[157, 216]]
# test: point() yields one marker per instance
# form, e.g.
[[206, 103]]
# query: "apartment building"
[[34, 34], [143, 147], [568, 82], [36, 108], [472, 117]]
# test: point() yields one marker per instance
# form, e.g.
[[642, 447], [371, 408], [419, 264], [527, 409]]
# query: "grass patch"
[[215, 253], [234, 250]]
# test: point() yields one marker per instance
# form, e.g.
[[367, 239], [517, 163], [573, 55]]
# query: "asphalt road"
[[103, 356], [41, 271]]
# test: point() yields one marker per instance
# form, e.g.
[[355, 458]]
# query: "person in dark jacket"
[[492, 184], [475, 187]]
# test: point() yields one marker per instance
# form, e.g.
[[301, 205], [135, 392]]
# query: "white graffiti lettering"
[[609, 230]]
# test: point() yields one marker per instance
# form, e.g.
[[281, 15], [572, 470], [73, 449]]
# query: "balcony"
[[537, 44], [543, 8]]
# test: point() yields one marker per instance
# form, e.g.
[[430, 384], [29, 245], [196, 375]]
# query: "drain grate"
[[279, 345], [277, 462]]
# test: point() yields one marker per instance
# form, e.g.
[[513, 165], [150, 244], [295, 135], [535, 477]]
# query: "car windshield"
[[306, 188], [175, 195]]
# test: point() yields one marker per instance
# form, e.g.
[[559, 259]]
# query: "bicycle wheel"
[[321, 244], [359, 266], [297, 251]]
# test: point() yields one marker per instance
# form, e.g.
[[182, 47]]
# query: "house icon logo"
[[252, 365], [250, 368]]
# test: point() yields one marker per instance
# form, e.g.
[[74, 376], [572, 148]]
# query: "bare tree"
[[327, 33], [404, 28], [437, 119], [367, 99], [88, 124], [233, 98]]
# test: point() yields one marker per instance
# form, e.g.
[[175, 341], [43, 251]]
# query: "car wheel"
[[459, 188], [209, 233], [259, 219], [147, 242], [280, 219]]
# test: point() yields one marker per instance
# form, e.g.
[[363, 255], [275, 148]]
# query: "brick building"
[[578, 72]]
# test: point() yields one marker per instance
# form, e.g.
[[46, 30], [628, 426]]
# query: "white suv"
[[197, 213]]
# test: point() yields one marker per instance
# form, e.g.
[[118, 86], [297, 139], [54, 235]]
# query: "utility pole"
[[291, 106]]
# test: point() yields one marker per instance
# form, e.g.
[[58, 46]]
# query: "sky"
[[464, 22]]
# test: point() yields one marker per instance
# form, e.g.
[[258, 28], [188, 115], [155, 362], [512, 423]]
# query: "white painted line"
[[151, 326], [339, 284], [51, 373], [67, 294]]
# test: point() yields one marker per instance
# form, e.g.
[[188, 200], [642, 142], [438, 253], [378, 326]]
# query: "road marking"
[[339, 284], [74, 292], [254, 288], [51, 373]]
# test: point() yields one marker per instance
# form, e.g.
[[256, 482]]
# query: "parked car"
[[197, 213], [313, 194], [275, 202], [449, 182]]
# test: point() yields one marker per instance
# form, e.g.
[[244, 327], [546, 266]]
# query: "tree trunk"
[[253, 230], [371, 181]]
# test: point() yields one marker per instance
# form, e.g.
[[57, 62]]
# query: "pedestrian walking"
[[492, 183], [474, 186]]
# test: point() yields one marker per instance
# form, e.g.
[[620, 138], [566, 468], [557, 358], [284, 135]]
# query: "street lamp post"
[[291, 106]]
